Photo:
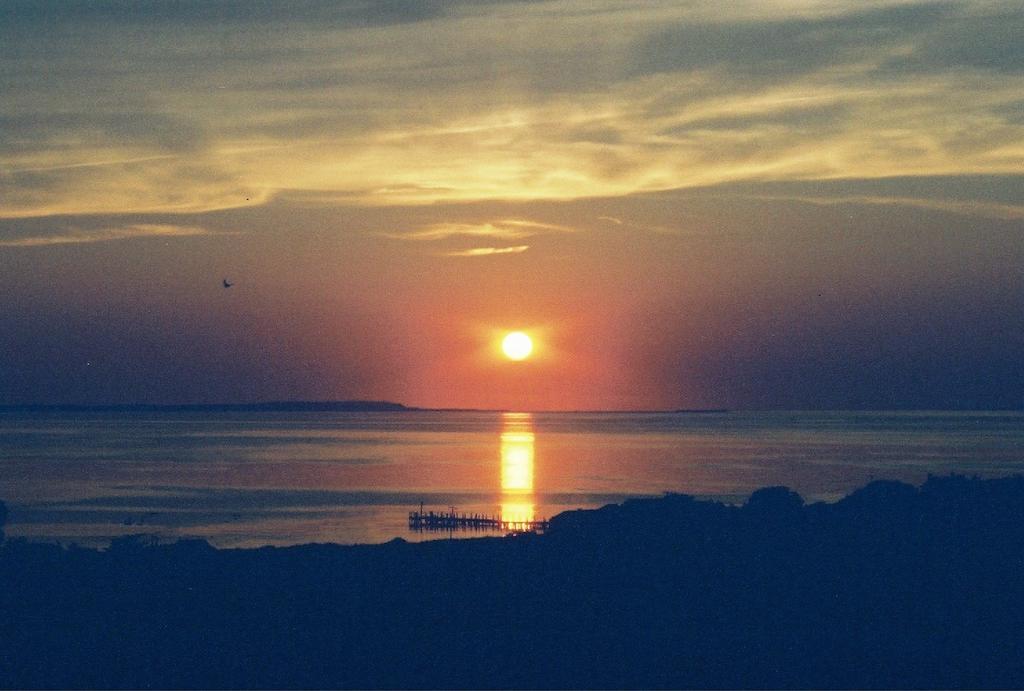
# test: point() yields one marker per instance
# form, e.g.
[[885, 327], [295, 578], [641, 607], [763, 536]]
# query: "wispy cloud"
[[507, 229], [963, 207], [596, 100], [128, 232], [487, 251], [536, 226], [631, 225], [1001, 212], [91, 164]]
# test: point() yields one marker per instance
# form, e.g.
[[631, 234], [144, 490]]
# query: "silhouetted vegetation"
[[893, 586]]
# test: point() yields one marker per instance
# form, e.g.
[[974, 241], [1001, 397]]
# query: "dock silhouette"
[[425, 521]]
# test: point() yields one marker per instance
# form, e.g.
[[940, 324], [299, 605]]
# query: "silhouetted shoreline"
[[893, 586]]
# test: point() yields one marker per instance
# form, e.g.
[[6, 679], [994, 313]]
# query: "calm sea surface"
[[246, 479]]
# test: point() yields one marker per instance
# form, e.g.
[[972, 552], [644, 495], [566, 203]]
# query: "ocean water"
[[249, 479]]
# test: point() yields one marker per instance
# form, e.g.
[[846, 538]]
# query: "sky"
[[801, 204]]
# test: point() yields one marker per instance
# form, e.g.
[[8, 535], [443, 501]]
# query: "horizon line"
[[383, 405]]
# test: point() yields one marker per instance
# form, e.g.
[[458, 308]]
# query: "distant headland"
[[262, 407], [348, 406]]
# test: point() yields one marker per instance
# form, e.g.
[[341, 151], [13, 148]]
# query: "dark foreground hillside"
[[893, 586]]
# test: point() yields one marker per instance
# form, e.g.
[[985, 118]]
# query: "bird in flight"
[[226, 284]]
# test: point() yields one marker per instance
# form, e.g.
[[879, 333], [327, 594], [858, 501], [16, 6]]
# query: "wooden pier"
[[421, 520]]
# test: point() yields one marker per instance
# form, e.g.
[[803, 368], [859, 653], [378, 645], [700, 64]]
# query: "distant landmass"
[[283, 407], [265, 407]]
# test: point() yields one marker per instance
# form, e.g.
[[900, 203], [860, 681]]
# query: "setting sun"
[[517, 346]]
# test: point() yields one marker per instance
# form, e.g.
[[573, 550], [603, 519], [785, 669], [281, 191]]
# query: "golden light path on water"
[[517, 461]]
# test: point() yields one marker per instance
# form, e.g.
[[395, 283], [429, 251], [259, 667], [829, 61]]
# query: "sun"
[[516, 345]]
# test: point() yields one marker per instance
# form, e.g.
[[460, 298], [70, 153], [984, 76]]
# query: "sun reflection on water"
[[517, 461]]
